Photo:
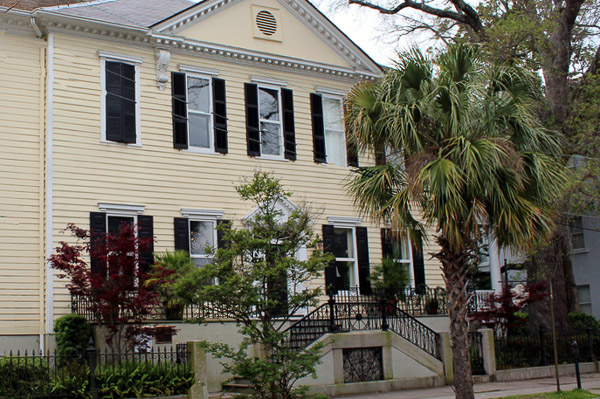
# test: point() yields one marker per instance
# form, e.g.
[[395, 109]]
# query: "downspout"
[[42, 195], [36, 28], [49, 187]]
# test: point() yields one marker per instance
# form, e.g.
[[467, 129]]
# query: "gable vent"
[[266, 22]]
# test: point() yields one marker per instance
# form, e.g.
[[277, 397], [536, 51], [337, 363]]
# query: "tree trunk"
[[455, 269]]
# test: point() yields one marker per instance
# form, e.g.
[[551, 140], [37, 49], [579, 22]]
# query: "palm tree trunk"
[[455, 269]]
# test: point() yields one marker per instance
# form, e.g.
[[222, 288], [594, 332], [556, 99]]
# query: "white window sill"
[[121, 144], [200, 150], [273, 158], [579, 251]]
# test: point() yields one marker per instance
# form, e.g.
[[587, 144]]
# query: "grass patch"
[[574, 394]]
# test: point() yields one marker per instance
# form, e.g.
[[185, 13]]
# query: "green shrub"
[[73, 334], [580, 321], [23, 376], [129, 380]]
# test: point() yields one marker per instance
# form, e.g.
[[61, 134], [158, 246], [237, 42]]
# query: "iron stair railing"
[[362, 315]]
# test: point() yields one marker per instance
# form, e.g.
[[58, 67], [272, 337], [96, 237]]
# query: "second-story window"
[[120, 99], [199, 113], [329, 138], [270, 131]]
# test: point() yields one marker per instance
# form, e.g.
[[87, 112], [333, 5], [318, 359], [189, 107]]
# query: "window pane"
[[269, 104], [343, 273], [199, 130], [198, 94], [270, 138], [115, 222], [583, 292], [335, 147], [201, 236], [332, 114], [400, 248], [343, 243]]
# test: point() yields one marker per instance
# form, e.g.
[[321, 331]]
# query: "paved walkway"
[[590, 382]]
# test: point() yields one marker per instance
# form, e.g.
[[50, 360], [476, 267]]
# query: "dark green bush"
[[23, 375], [73, 334], [580, 321]]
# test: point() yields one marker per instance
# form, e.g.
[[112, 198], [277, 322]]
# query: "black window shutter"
[[418, 266], [289, 131], [318, 127], [220, 115], [182, 234], [179, 111], [128, 93], [114, 101], [146, 232], [252, 122], [330, 272], [221, 242], [97, 240], [362, 244], [387, 248]]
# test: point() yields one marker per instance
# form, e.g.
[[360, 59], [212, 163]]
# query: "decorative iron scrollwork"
[[363, 364]]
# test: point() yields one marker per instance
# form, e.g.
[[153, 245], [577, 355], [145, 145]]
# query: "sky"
[[363, 26]]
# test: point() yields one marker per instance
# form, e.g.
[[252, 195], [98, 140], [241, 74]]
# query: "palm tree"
[[460, 152]]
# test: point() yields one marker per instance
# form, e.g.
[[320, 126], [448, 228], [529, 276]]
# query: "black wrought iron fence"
[[537, 349], [95, 373]]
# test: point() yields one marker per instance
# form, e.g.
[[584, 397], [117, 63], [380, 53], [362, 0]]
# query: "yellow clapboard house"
[[151, 112]]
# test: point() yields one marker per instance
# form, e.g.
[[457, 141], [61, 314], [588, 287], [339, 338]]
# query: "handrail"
[[358, 315]]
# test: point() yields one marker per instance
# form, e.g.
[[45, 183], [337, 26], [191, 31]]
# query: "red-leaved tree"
[[113, 292], [501, 310]]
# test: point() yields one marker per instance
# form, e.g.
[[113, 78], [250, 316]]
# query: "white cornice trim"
[[201, 71], [114, 207], [120, 57], [52, 22], [203, 213], [344, 221]]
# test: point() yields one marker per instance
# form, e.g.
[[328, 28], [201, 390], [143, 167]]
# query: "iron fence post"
[[542, 333], [332, 326], [91, 351], [575, 349]]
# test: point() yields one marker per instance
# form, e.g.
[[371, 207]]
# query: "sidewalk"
[[590, 382]]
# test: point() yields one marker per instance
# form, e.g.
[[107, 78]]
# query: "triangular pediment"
[[288, 28]]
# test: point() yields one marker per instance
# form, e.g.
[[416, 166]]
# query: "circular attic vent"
[[266, 22]]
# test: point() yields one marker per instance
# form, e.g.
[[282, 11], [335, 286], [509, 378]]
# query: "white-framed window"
[[576, 231], [335, 137], [120, 100], [203, 240], [269, 112], [196, 233], [200, 119], [346, 261], [402, 254], [585, 298]]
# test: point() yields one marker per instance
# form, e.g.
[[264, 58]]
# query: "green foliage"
[[580, 322], [170, 277], [73, 334], [389, 279], [33, 376], [254, 272], [23, 375], [137, 380]]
